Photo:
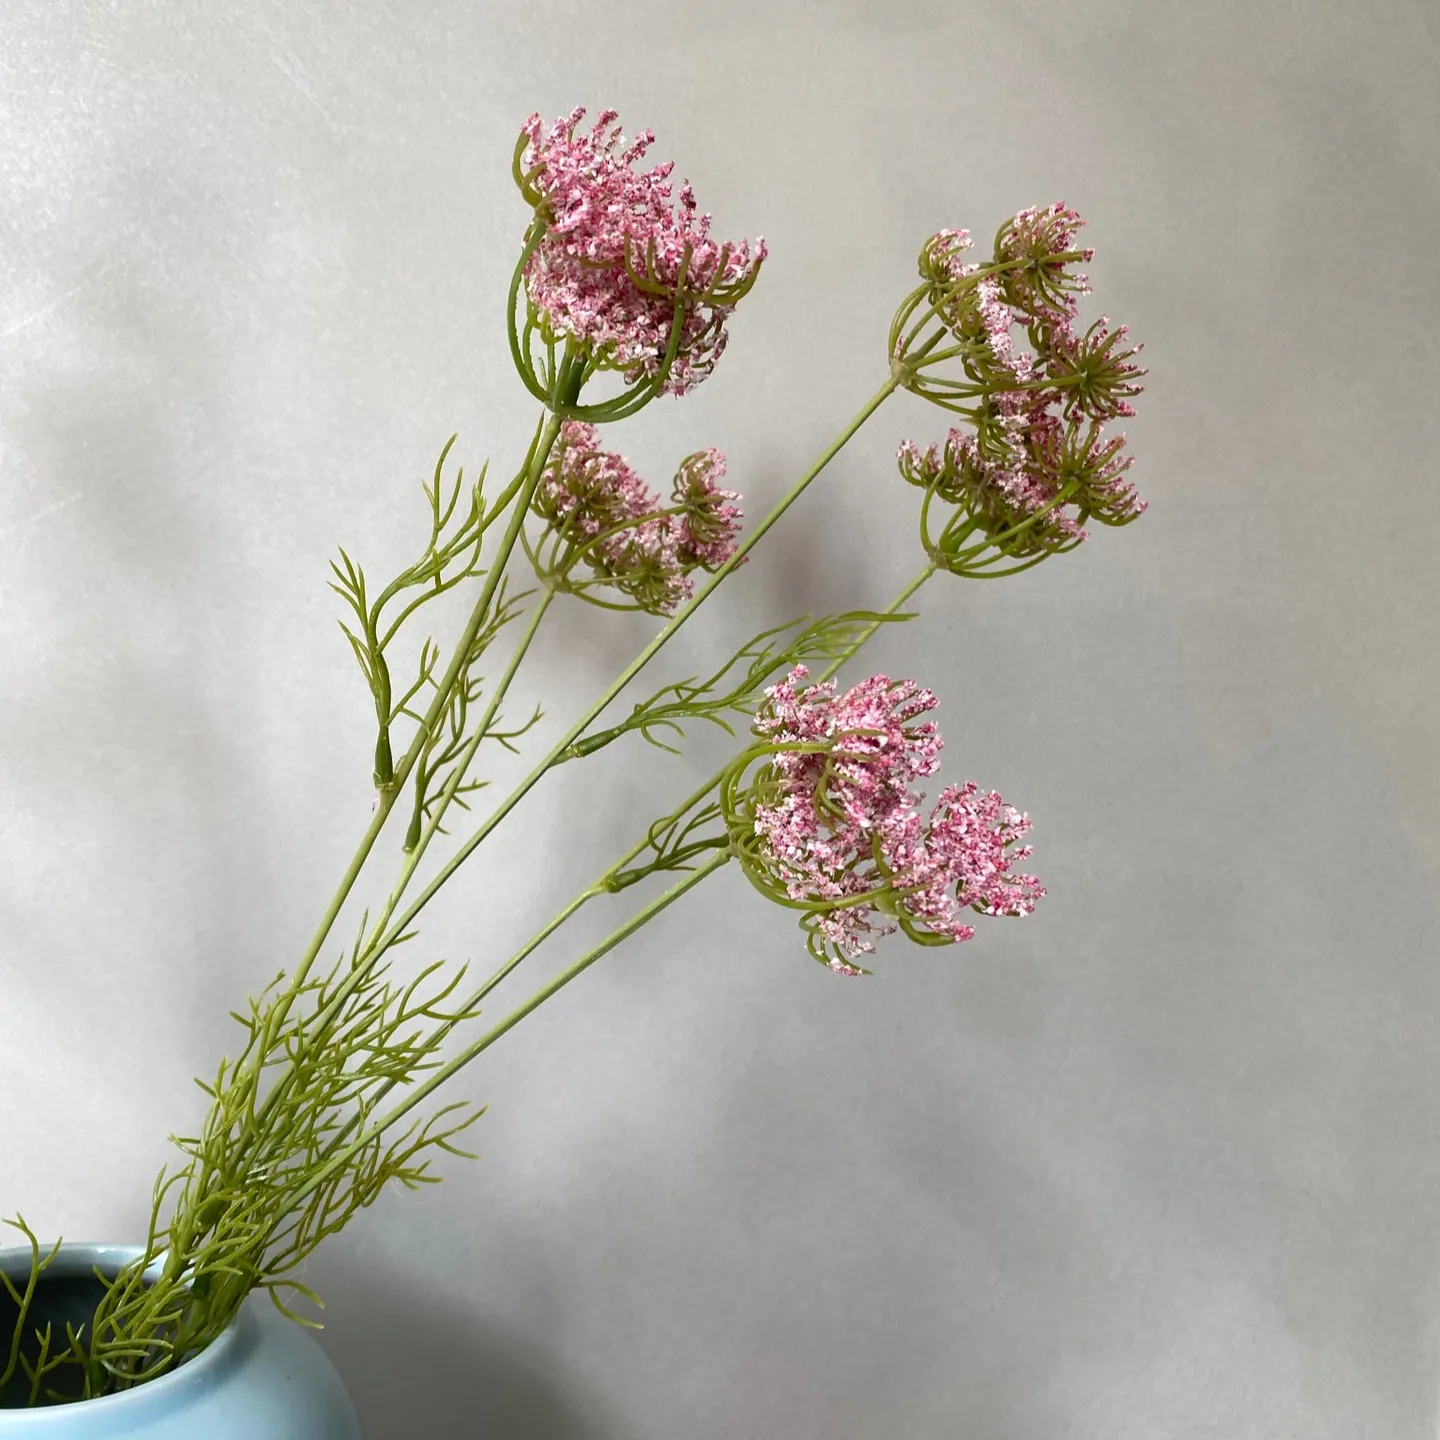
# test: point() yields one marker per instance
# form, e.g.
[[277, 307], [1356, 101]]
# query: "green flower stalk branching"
[[448, 560], [737, 687], [618, 284]]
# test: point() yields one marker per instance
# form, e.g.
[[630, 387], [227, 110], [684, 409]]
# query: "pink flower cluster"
[[709, 522], [618, 255], [837, 820], [1035, 281], [606, 514], [1039, 450], [1036, 243], [940, 256]]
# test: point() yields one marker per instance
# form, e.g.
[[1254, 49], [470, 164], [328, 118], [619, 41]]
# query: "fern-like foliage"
[[339, 1040], [33, 1355], [738, 686], [459, 520], [674, 843], [450, 743], [451, 555]]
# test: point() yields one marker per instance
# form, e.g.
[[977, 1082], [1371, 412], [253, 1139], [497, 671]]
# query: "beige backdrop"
[[1161, 1160]]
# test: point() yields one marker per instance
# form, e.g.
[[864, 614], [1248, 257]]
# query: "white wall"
[[1161, 1160]]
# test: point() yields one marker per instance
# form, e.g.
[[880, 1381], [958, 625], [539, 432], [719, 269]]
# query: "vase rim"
[[80, 1258]]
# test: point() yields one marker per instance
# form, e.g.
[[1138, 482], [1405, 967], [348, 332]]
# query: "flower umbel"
[[1037, 248], [829, 824], [940, 261], [599, 511], [709, 522], [626, 267], [1094, 377], [1079, 462], [1036, 465]]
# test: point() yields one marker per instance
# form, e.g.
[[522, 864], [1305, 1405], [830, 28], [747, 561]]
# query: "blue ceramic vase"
[[265, 1378]]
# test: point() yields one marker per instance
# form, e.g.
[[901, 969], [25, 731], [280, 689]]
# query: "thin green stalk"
[[438, 1077], [442, 1030], [368, 957], [407, 763], [467, 755], [437, 706], [401, 925]]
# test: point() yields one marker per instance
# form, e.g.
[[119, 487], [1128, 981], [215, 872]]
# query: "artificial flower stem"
[[365, 962], [407, 763], [438, 1077], [437, 705], [467, 755], [591, 892], [437, 1036]]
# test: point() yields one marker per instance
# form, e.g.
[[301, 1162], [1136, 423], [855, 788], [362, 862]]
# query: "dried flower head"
[[830, 822], [625, 266]]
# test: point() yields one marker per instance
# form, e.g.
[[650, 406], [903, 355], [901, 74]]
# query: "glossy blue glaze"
[[265, 1377]]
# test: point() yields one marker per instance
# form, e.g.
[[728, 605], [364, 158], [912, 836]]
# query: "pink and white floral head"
[[1036, 464], [601, 514], [971, 304], [709, 520], [1094, 372], [1026, 499], [824, 816], [621, 265], [1030, 281], [1035, 256]]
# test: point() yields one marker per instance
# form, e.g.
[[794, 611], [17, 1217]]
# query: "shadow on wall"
[[448, 1374], [118, 414]]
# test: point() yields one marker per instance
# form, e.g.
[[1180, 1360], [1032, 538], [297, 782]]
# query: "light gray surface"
[[1161, 1160]]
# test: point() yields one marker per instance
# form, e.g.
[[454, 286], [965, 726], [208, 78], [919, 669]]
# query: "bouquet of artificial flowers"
[[621, 295]]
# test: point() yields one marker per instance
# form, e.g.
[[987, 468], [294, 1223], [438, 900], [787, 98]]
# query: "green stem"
[[416, 846], [466, 756], [384, 757], [366, 961], [176, 1259], [442, 1030], [437, 707], [447, 1071]]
